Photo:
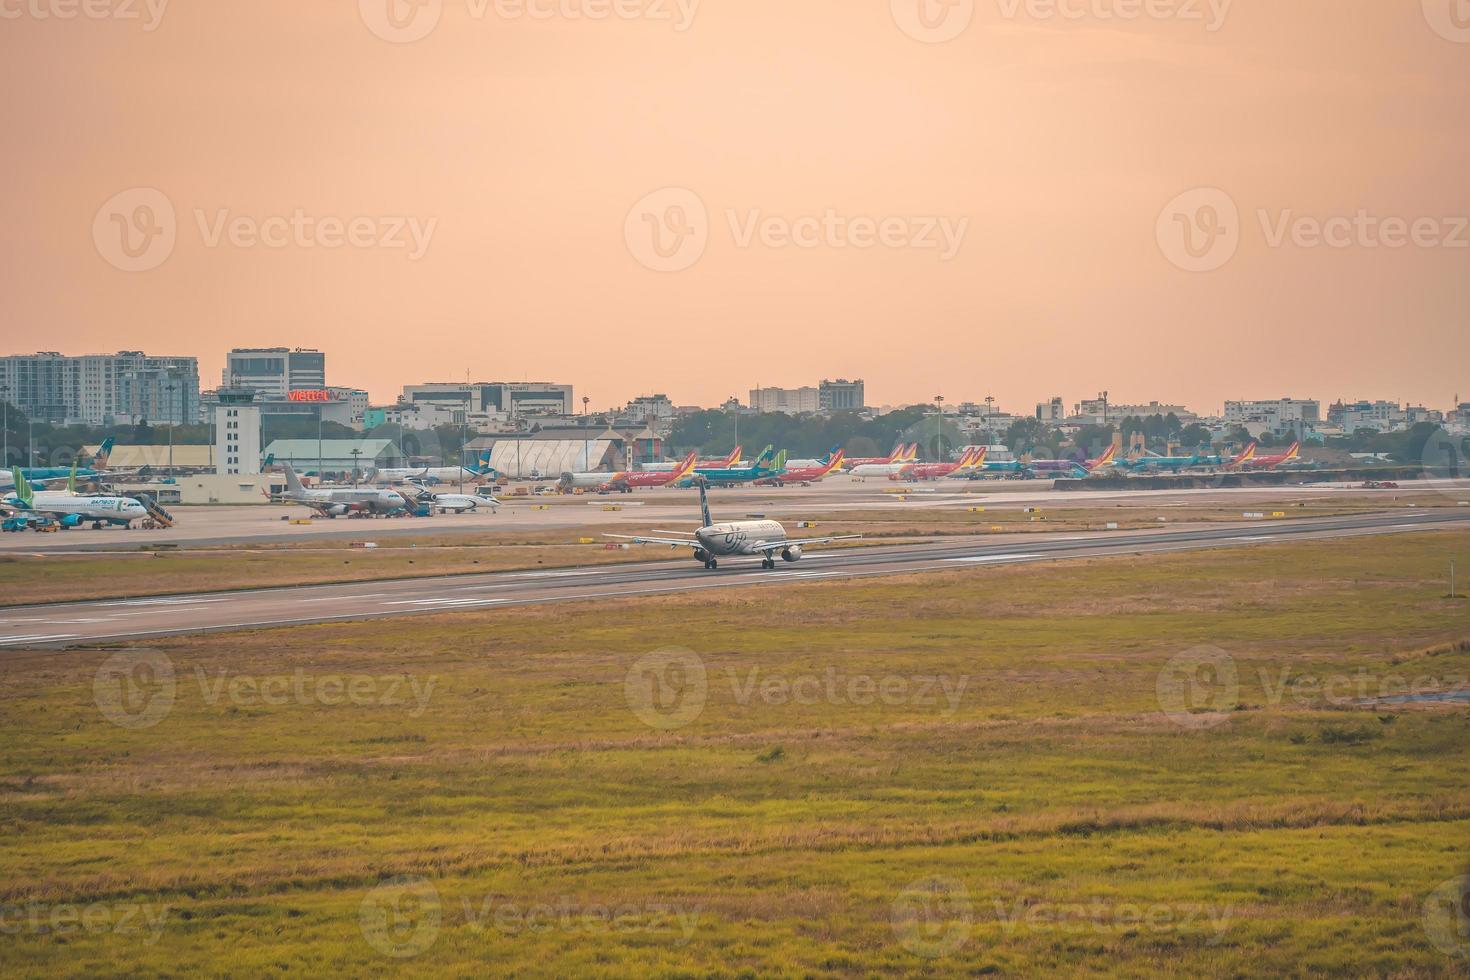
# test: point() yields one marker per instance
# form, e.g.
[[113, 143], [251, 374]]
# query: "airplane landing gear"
[[711, 564], [768, 563]]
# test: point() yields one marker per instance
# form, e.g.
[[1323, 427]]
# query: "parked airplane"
[[41, 475], [1221, 462], [971, 460], [636, 479], [804, 474], [900, 454], [1292, 454], [459, 503], [72, 509], [335, 501], [1074, 467], [392, 475], [715, 541], [764, 467], [895, 468], [729, 461]]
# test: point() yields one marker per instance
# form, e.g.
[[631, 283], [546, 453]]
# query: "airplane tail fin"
[[1105, 459], [734, 458], [835, 461], [764, 456], [686, 467], [22, 487], [979, 459], [704, 503], [779, 463], [293, 482], [104, 451], [897, 455], [71, 478], [911, 454], [1246, 455], [1295, 452]]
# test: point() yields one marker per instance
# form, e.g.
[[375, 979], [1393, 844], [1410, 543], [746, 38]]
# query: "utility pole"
[[5, 407], [320, 411], [1452, 580]]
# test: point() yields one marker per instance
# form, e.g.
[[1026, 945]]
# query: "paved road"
[[72, 623]]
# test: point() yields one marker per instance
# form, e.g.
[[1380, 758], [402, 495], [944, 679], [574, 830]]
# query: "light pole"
[[168, 390], [938, 428], [321, 410], [586, 442], [356, 455], [5, 408], [30, 442]]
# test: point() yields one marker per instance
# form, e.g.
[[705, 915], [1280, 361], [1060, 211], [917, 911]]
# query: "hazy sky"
[[535, 192]]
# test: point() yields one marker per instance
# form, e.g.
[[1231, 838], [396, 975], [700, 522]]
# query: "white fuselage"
[[458, 502], [117, 510], [436, 474], [738, 537], [879, 469], [345, 499]]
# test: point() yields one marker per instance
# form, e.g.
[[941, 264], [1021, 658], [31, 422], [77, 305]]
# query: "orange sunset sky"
[[527, 140]]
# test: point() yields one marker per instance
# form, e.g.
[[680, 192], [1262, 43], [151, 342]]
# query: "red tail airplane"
[[1271, 462], [804, 474], [935, 471], [642, 478]]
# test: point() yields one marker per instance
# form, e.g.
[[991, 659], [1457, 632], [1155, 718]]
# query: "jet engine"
[[792, 553], [701, 555], [336, 509]]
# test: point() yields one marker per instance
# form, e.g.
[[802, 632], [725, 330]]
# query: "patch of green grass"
[[980, 771]]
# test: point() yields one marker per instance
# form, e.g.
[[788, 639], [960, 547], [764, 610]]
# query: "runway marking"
[[341, 598], [167, 601], [988, 559], [36, 638]]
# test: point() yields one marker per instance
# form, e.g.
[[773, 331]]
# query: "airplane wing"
[[769, 546], [671, 542]]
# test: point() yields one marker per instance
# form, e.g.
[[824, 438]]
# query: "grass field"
[[1148, 767]]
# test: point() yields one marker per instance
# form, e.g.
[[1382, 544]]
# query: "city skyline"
[[369, 195]]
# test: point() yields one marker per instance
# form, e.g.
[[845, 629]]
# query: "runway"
[[75, 623]]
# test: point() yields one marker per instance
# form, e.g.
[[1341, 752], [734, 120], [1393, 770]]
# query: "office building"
[[275, 372], [437, 402], [840, 396], [792, 401], [236, 433], [128, 387]]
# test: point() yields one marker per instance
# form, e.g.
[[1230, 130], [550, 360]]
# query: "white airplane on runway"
[[334, 501], [714, 541]]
